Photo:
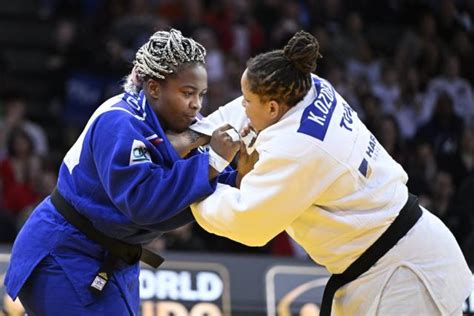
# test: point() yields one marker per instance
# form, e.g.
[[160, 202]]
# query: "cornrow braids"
[[163, 54], [285, 75]]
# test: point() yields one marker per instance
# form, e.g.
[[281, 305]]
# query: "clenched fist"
[[222, 143]]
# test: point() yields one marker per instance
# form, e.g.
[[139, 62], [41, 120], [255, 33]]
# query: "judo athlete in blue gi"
[[123, 176]]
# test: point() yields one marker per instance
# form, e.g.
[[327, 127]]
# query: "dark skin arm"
[[220, 142], [188, 140]]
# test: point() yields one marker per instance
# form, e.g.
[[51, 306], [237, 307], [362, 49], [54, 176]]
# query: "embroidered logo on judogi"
[[139, 153]]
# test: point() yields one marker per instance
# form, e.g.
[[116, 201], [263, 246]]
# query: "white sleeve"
[[271, 197], [232, 113]]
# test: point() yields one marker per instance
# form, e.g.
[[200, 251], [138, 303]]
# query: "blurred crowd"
[[405, 66]]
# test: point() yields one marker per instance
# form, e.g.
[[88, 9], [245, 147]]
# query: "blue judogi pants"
[[48, 292]]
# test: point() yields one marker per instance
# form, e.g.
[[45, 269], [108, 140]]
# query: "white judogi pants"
[[424, 274], [405, 286]]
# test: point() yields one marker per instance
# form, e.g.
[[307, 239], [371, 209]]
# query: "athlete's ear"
[[274, 109], [153, 88]]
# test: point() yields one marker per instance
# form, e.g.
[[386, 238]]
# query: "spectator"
[[15, 117], [443, 130], [456, 87], [343, 86], [371, 111], [463, 46], [442, 197], [215, 57], [20, 172], [365, 65], [345, 43], [408, 107], [461, 163], [388, 133], [421, 168], [387, 89]]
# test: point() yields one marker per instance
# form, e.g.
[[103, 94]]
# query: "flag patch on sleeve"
[[139, 153]]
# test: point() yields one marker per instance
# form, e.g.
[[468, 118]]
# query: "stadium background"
[[406, 67]]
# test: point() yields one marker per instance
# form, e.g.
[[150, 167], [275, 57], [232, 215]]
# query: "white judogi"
[[325, 179]]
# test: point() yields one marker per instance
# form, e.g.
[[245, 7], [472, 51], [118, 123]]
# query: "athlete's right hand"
[[222, 143]]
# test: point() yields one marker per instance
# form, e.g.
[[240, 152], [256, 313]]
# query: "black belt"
[[117, 249], [406, 219]]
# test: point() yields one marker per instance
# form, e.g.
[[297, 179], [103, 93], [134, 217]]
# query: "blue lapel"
[[169, 153]]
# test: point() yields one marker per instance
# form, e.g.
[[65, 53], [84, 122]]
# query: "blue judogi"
[[126, 178]]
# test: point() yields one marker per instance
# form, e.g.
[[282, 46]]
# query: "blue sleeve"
[[228, 176], [146, 188]]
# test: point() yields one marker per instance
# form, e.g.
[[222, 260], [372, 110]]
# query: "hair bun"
[[302, 51]]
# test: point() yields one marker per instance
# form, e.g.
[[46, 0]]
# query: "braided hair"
[[164, 54], [284, 75]]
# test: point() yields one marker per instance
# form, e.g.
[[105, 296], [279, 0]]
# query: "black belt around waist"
[[406, 219], [129, 253]]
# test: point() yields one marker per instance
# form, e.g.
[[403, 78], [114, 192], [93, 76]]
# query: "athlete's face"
[[179, 97], [261, 114]]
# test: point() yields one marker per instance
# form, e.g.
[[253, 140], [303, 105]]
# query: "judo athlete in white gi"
[[324, 178], [123, 176]]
